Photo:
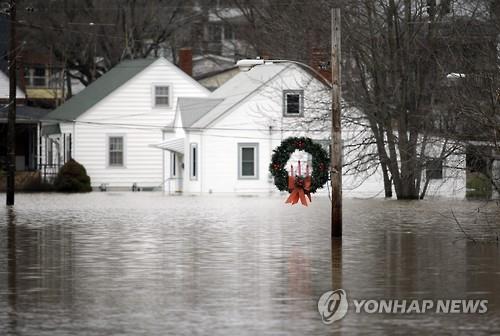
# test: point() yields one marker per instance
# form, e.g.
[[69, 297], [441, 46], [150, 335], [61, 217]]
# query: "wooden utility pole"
[[336, 152], [11, 128]]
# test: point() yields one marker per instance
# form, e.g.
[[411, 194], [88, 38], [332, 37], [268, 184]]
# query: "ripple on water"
[[143, 263]]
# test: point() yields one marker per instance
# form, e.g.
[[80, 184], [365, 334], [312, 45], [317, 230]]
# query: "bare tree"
[[399, 59], [89, 37]]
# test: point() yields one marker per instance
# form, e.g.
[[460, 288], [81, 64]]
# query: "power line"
[[138, 126]]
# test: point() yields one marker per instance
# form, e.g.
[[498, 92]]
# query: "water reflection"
[[336, 247], [11, 270], [137, 263]]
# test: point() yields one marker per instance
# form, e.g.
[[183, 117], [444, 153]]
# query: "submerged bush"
[[478, 186], [72, 177]]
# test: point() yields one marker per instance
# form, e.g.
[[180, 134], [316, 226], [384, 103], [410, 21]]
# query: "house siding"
[[4, 88]]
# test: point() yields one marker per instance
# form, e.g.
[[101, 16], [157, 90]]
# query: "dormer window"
[[293, 103], [162, 96]]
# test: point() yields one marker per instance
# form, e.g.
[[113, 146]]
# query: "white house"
[[223, 142], [110, 126], [4, 89]]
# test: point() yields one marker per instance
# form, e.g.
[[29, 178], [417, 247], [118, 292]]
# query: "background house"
[[110, 126], [212, 71], [28, 123]]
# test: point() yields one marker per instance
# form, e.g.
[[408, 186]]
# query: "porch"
[[174, 160], [27, 143]]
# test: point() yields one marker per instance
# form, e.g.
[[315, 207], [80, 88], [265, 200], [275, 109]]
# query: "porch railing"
[[49, 172]]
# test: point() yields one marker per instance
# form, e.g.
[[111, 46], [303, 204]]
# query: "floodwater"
[[147, 264]]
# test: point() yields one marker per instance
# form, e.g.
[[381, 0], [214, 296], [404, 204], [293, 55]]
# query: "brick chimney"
[[186, 60], [320, 61]]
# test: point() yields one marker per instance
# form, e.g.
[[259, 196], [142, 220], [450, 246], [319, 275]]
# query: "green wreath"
[[281, 155]]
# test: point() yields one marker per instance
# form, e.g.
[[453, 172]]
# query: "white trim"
[[124, 149], [300, 93], [154, 85], [255, 146]]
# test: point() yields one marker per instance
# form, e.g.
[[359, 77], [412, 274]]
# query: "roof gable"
[[98, 90], [244, 85], [238, 89], [192, 109]]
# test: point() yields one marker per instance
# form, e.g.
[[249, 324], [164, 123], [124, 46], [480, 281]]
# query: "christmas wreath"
[[297, 182]]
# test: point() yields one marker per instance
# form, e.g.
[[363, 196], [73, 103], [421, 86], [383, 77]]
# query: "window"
[[193, 167], [247, 161], [229, 33], [293, 102], [50, 151], [174, 164], [434, 169], [116, 153], [162, 96], [214, 33], [68, 147], [39, 78]]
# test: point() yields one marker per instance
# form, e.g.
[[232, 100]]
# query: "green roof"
[[99, 89], [193, 109]]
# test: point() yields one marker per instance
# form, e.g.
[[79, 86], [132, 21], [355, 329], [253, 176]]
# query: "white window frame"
[[255, 146], [286, 93], [124, 151], [194, 161], [153, 95]]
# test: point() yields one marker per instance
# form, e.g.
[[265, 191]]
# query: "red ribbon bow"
[[299, 188]]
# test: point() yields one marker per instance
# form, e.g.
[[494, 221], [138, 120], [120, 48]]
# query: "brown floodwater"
[[148, 264]]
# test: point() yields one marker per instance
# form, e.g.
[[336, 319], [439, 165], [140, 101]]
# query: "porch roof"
[[51, 129], [173, 145], [25, 114]]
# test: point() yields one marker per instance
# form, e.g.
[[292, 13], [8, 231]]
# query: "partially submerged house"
[[110, 126], [224, 142]]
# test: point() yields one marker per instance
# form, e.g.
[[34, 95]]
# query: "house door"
[[177, 161]]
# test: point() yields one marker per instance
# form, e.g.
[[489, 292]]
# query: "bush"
[[72, 177], [478, 186]]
